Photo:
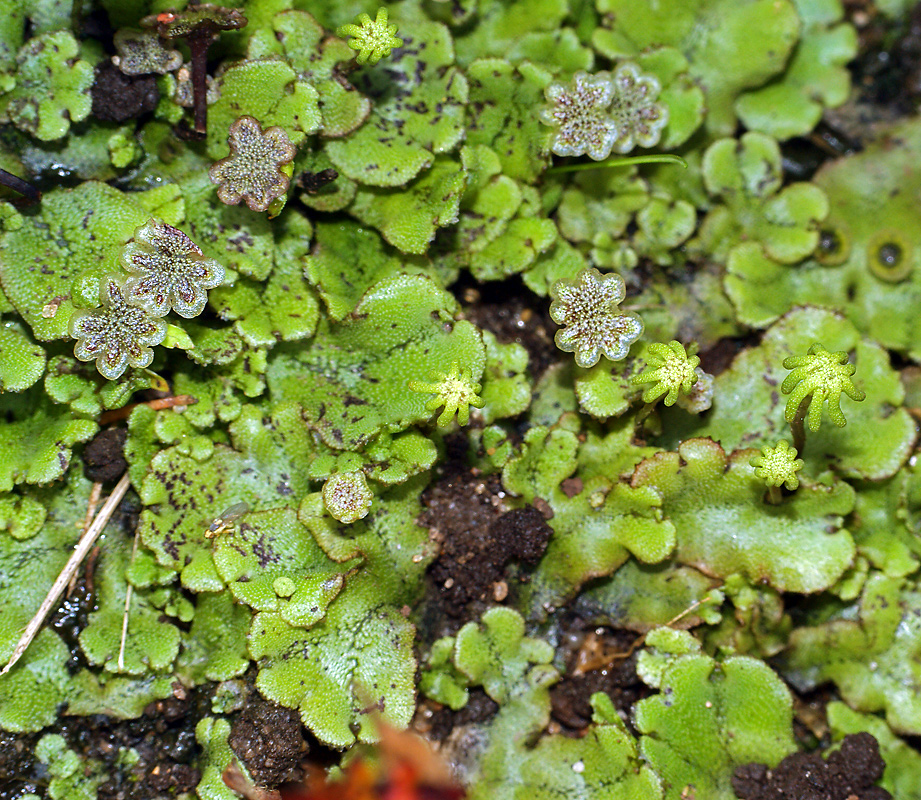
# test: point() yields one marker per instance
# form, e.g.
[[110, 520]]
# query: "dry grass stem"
[[83, 547]]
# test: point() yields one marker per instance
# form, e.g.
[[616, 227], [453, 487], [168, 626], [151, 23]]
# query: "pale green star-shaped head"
[[670, 371], [372, 39], [456, 391], [822, 376], [778, 465]]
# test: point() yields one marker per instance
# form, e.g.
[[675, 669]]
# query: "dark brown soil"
[[163, 738], [104, 456], [17, 764], [599, 660], [268, 741], [464, 511], [887, 71], [479, 708], [718, 358], [514, 314], [118, 97], [847, 774]]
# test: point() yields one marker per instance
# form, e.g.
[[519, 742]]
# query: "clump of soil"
[[847, 774], [268, 740], [118, 97], [104, 456], [479, 538]]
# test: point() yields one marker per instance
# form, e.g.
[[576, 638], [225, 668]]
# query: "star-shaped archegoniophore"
[[637, 115], [778, 465], [372, 39], [579, 112], [204, 18], [252, 171], [117, 334], [143, 53], [456, 391], [169, 271], [670, 371], [822, 376], [596, 326]]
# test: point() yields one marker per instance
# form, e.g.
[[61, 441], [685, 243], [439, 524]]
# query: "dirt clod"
[[478, 539], [268, 740], [104, 456], [523, 533], [847, 774], [118, 97]]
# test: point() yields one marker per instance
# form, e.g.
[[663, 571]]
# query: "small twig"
[[24, 188], [640, 640], [90, 570], [95, 494], [57, 588], [238, 781], [118, 414], [626, 161], [121, 646], [688, 610]]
